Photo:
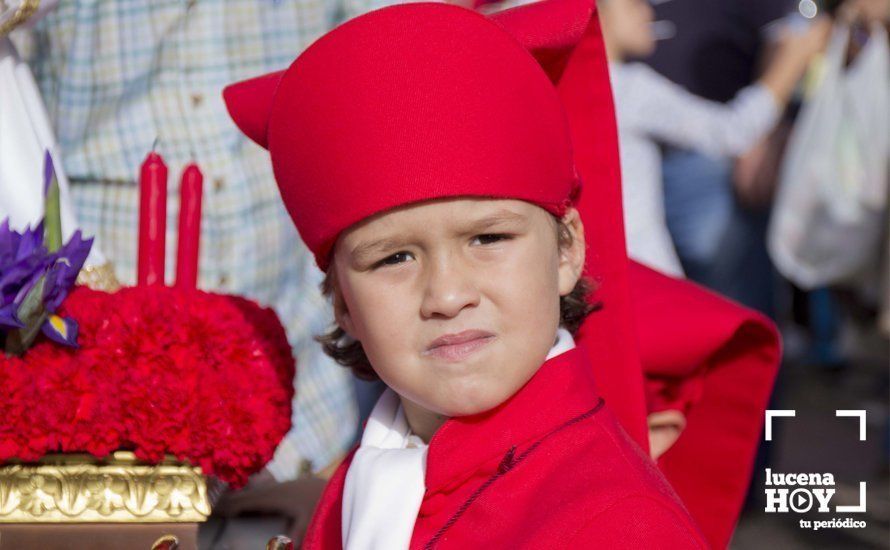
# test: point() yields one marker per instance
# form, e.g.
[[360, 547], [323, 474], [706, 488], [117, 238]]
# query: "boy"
[[426, 160]]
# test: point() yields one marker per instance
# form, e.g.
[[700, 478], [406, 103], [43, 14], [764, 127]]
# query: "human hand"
[[756, 173], [665, 428], [794, 50], [801, 45], [471, 4], [866, 11]]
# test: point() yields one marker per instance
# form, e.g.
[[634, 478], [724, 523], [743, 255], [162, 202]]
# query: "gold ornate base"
[[83, 489]]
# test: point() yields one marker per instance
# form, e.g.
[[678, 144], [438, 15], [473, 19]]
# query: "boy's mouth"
[[459, 346]]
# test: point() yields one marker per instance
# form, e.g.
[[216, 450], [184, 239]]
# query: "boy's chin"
[[479, 395], [472, 405]]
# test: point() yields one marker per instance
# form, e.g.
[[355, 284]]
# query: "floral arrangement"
[[156, 370], [36, 273], [204, 377]]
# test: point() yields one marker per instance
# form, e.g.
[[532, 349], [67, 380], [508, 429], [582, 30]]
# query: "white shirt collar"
[[564, 342]]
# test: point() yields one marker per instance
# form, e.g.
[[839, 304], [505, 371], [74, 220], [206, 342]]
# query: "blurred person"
[[116, 76], [652, 110], [871, 13], [711, 131], [716, 209], [870, 20], [828, 223]]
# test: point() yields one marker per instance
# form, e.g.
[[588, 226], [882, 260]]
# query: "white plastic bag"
[[828, 219]]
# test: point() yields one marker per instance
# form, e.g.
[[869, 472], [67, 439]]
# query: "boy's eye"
[[490, 238], [394, 259]]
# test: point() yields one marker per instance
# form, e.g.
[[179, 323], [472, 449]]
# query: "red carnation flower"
[[205, 377]]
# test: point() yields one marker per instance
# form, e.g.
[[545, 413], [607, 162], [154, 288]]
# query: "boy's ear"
[[341, 311], [571, 255]]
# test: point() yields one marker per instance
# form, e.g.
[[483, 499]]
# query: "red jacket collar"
[[562, 389]]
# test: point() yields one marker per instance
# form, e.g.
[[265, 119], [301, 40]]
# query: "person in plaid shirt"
[[118, 74]]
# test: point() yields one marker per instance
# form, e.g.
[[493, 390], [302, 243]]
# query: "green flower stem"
[[52, 229]]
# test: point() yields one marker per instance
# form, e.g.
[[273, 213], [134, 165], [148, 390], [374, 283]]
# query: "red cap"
[[411, 103]]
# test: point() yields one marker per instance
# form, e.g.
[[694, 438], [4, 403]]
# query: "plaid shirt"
[[115, 75]]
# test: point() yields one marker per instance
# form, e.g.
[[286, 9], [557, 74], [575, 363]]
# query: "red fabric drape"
[[658, 343]]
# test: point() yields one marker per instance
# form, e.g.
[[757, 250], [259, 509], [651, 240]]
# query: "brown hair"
[[573, 309]]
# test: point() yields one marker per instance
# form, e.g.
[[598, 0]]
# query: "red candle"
[[152, 220], [189, 227]]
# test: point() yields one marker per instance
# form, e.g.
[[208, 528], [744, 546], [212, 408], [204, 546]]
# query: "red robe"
[[550, 468]]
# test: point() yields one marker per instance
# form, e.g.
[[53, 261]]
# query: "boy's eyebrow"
[[364, 250], [501, 216]]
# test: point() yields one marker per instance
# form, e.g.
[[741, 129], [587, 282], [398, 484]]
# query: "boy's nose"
[[449, 289]]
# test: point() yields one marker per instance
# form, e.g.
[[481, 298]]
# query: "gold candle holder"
[[99, 277]]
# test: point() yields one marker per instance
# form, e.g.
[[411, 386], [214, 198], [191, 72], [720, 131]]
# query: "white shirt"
[[653, 110], [385, 483]]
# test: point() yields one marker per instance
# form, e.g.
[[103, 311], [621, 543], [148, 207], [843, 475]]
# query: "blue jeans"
[[721, 245]]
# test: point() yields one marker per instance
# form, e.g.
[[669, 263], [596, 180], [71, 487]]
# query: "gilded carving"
[[79, 489]]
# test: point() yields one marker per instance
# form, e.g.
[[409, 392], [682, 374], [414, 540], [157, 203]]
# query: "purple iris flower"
[[23, 260], [25, 263], [62, 274], [37, 272]]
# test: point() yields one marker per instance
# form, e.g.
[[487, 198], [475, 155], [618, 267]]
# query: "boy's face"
[[456, 302]]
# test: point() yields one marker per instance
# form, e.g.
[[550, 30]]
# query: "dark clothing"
[[717, 43]]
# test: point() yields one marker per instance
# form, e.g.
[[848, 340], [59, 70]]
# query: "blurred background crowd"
[[754, 139]]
